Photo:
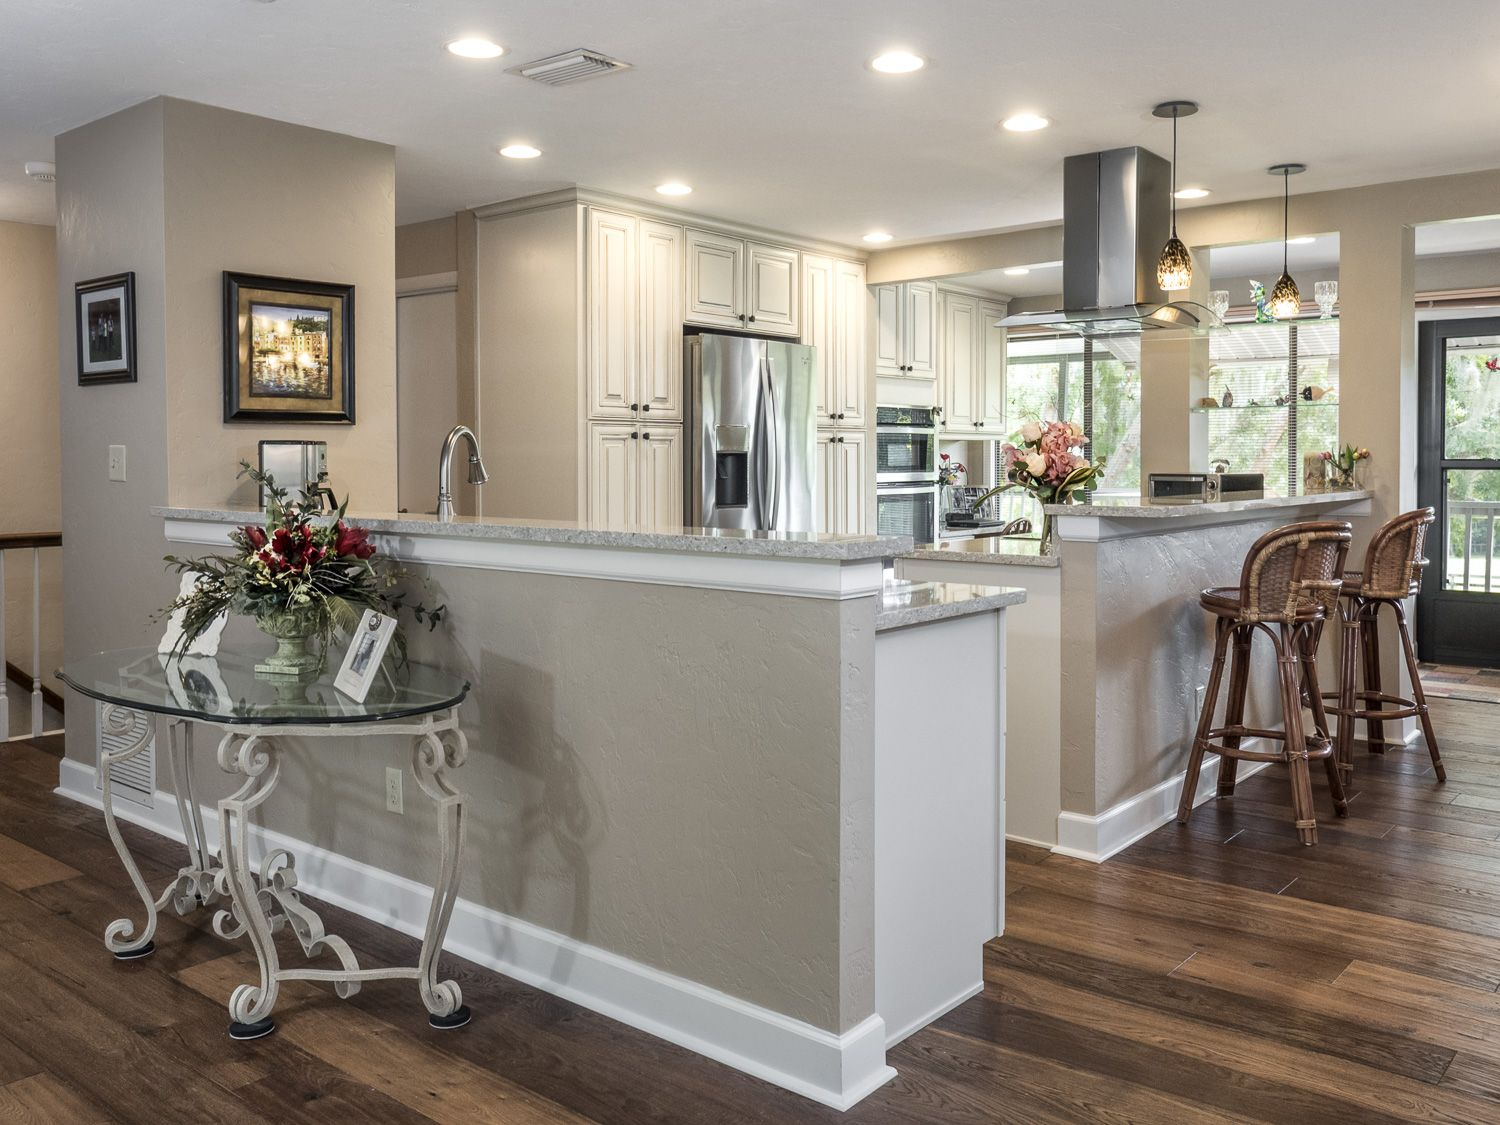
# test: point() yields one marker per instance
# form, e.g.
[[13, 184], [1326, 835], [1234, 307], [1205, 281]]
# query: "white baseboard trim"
[[836, 1070], [937, 1013], [1096, 838]]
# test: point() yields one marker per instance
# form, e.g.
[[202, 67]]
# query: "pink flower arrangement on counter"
[[1049, 463]]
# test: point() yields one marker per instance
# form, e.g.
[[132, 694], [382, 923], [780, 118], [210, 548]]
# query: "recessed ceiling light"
[[1192, 193], [1302, 241], [673, 188], [520, 152], [897, 62], [1017, 271], [1025, 123], [475, 47], [878, 236]]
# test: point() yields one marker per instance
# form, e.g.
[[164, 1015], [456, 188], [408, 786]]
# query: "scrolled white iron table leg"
[[120, 936], [432, 757]]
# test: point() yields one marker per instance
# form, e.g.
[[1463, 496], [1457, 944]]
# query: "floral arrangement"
[[948, 469], [319, 576], [1343, 461], [1049, 462]]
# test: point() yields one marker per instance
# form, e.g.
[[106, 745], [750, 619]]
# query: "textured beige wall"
[[30, 476], [110, 218], [629, 785], [427, 393], [230, 208], [427, 248]]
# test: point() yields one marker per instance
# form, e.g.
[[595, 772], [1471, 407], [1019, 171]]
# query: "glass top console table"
[[254, 712]]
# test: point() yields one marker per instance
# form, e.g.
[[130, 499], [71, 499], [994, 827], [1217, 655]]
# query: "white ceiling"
[[766, 106]]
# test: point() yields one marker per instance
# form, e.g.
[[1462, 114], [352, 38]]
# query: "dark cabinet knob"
[[841, 417], [646, 407], [646, 436], [752, 318], [635, 406], [841, 441]]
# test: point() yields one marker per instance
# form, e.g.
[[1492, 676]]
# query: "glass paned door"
[[1459, 475]]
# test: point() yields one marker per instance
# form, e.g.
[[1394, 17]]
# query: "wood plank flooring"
[[1217, 972]]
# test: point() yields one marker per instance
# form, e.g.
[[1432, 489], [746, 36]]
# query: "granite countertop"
[[1011, 550], [696, 540], [914, 603], [1133, 507]]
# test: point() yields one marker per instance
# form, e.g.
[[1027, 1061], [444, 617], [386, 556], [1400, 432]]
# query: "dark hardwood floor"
[[1214, 973]]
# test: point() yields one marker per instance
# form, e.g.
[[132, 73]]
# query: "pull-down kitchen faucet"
[[477, 475]]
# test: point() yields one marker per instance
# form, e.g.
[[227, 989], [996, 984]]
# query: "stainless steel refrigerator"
[[751, 432]]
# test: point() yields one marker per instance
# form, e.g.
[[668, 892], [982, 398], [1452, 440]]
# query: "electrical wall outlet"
[[1198, 695], [117, 462], [392, 789]]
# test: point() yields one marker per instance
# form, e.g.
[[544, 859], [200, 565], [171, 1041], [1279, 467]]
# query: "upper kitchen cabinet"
[[834, 300], [734, 283], [971, 364], [634, 313], [906, 330], [992, 375]]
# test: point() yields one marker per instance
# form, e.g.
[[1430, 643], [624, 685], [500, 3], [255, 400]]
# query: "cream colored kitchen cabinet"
[[842, 491], [906, 330], [834, 299], [659, 374], [958, 369], [634, 316], [992, 375], [635, 476], [750, 286], [613, 356]]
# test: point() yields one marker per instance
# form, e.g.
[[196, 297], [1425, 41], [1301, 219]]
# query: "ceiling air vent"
[[569, 67]]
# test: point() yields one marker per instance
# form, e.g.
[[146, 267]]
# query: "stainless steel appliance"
[[907, 509], [1204, 488], [751, 456], [295, 465], [906, 439]]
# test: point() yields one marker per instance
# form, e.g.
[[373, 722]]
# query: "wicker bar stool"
[[1288, 587], [1392, 573]]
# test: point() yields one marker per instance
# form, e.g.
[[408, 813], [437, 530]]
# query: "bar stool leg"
[[1234, 711], [1374, 728], [1350, 646], [1205, 721], [1419, 697], [1296, 745], [1320, 717]]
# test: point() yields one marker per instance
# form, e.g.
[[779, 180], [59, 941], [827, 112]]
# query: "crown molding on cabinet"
[[651, 210]]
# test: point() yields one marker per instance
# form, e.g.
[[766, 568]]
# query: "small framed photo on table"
[[105, 312], [366, 651]]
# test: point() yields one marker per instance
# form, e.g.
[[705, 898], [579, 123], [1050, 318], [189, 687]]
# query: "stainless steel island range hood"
[[1116, 214]]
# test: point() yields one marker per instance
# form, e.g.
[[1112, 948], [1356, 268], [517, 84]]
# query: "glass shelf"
[[1301, 405]]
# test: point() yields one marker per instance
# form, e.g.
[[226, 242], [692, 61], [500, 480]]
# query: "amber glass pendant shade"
[[1286, 301], [1174, 269]]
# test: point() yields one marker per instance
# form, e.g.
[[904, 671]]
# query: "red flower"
[[352, 541], [255, 536]]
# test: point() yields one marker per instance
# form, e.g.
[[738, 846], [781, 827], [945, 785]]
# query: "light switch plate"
[[117, 462]]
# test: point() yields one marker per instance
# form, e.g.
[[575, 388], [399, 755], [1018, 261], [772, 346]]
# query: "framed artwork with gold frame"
[[288, 350]]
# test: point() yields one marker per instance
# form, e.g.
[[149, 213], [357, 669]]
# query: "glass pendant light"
[[1174, 269], [1285, 302]]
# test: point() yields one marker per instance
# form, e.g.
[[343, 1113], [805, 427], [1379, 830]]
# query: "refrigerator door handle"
[[771, 467]]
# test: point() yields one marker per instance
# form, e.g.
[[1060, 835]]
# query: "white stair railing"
[[14, 544]]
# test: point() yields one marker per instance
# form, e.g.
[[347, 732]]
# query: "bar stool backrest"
[[1396, 556], [1294, 573]]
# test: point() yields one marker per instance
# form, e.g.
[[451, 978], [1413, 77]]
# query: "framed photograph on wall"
[[105, 313], [288, 350], [366, 650]]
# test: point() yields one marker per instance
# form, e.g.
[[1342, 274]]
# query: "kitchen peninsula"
[[708, 792], [1111, 651]]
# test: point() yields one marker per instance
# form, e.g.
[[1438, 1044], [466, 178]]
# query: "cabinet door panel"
[[715, 279], [992, 373], [820, 329], [659, 477], [957, 369], [826, 494], [659, 372], [612, 468], [853, 494], [773, 289], [890, 319], [921, 329], [851, 300], [612, 314]]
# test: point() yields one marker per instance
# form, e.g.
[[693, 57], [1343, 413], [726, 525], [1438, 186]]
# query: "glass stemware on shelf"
[[1218, 301], [1326, 293]]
